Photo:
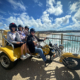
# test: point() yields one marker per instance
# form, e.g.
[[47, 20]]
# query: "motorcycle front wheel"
[[71, 63]]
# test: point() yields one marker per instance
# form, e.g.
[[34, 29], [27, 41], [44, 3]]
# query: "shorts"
[[18, 45]]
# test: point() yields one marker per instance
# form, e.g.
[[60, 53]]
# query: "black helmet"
[[12, 25], [19, 26], [32, 30], [27, 27]]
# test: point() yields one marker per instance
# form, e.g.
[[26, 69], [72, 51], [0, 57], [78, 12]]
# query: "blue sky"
[[41, 14]]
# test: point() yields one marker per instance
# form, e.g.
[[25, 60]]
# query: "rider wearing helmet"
[[26, 31], [14, 38], [27, 28], [20, 28], [12, 25], [22, 33], [32, 42]]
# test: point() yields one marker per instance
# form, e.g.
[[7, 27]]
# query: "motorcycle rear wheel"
[[71, 63]]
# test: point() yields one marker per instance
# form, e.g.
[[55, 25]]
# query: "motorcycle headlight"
[[55, 45], [61, 47], [53, 51]]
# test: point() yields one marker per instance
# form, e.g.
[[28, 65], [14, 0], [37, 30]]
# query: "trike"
[[9, 55]]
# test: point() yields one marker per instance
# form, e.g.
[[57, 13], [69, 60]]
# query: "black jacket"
[[30, 43]]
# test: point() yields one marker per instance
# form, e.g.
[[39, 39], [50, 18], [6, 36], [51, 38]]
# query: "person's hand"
[[21, 42], [18, 42], [35, 43]]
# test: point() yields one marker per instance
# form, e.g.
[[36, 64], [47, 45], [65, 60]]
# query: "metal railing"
[[8, 42], [1, 34], [71, 43]]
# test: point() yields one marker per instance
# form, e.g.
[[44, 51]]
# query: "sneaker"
[[28, 55], [48, 61], [23, 57]]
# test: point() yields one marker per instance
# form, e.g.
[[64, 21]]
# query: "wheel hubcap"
[[72, 63], [5, 61]]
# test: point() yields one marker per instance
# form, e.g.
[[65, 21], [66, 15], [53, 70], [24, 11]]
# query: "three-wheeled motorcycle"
[[9, 55]]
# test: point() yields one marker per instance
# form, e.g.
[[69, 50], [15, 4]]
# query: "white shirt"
[[13, 36]]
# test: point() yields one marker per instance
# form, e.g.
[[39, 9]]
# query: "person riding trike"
[[13, 48]]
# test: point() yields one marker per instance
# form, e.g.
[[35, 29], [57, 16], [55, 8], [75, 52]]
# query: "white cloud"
[[63, 20], [43, 23], [75, 26], [40, 4], [75, 12], [69, 2], [2, 12], [36, 1], [76, 20], [1, 17], [77, 15], [45, 18], [46, 22], [16, 14], [17, 5], [56, 10], [24, 19], [73, 7], [11, 19], [1, 24], [60, 22], [6, 26]]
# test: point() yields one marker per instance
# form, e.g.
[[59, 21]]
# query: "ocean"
[[69, 46]]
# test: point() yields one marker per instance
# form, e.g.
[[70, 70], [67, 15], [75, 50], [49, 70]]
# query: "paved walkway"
[[34, 69]]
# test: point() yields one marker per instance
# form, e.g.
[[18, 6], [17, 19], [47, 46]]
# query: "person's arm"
[[9, 39], [39, 40], [18, 37]]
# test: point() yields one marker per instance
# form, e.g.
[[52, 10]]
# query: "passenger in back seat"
[[21, 33], [15, 39], [26, 31]]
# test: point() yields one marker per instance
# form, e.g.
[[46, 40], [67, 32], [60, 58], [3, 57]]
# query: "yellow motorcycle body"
[[65, 55]]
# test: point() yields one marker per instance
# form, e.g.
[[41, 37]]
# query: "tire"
[[71, 63], [5, 61]]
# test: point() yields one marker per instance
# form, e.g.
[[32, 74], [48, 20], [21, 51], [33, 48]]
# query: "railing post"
[[38, 34], [61, 38]]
